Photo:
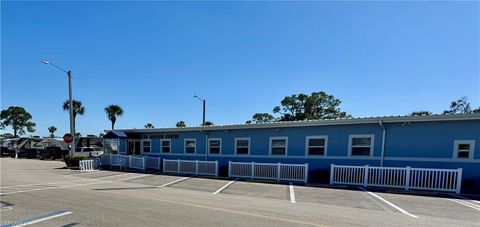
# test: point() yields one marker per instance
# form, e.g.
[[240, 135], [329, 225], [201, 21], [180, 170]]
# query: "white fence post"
[[229, 168], [407, 178], [278, 171], [365, 177], [130, 161], [144, 164], [110, 161], [332, 168], [196, 167], [459, 181], [178, 165], [306, 173], [253, 170], [159, 162], [216, 168], [163, 169]]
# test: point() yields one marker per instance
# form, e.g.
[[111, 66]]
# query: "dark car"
[[6, 148], [53, 153], [28, 153]]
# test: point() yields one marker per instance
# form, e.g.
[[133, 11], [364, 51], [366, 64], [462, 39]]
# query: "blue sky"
[[379, 58]]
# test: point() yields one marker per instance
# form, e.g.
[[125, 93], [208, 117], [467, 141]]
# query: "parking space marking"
[[173, 182], [388, 202], [56, 182], [225, 186], [292, 194], [465, 198], [467, 204], [70, 186], [240, 212], [37, 219]]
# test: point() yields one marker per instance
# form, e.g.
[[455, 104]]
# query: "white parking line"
[[173, 182], [467, 204], [224, 186], [388, 202], [34, 220], [56, 182], [292, 194], [464, 198], [69, 186]]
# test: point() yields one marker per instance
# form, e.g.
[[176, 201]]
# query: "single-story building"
[[436, 141]]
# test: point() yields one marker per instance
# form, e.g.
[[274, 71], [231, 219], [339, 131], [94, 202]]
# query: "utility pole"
[[72, 123], [70, 100], [203, 113]]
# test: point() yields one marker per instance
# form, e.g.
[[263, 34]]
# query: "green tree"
[[113, 111], [460, 106], [317, 105], [149, 125], [78, 108], [18, 118], [262, 118], [180, 124], [208, 123], [421, 113], [52, 130]]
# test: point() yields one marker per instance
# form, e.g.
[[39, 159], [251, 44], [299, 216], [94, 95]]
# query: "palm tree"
[[77, 108], [113, 111], [149, 125], [180, 124], [52, 130]]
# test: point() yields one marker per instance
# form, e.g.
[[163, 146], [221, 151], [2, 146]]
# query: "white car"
[[91, 151]]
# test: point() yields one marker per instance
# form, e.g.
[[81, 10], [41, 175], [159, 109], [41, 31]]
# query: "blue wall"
[[416, 144]]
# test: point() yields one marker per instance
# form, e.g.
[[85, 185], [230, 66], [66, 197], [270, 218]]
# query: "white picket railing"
[[87, 165], [270, 171], [123, 161], [398, 177], [196, 167], [153, 163]]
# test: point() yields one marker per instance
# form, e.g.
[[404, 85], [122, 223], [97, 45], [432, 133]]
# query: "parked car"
[[54, 149], [7, 148], [28, 153], [90, 151]]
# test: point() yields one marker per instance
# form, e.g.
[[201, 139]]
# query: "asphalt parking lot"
[[45, 193]]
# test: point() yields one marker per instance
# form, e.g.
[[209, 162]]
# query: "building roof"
[[308, 123], [115, 134]]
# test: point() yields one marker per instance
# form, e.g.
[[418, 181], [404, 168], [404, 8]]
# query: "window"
[[278, 145], [214, 146], [165, 145], [146, 145], [361, 145], [190, 146], [242, 146], [316, 145], [463, 149]]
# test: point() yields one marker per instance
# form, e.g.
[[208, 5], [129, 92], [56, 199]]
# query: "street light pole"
[[203, 102], [70, 100], [72, 122]]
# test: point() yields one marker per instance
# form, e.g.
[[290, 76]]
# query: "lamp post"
[[203, 101], [70, 99]]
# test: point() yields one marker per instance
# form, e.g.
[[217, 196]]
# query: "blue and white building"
[[438, 141]]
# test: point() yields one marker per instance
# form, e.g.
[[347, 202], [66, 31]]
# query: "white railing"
[[123, 161], [137, 162], [398, 177], [270, 171], [196, 167], [153, 163], [87, 165]]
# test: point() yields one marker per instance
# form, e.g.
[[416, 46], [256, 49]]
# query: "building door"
[[133, 147]]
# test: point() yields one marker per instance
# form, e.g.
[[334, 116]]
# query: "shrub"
[[73, 161]]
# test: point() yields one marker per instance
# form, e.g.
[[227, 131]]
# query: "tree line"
[[296, 107]]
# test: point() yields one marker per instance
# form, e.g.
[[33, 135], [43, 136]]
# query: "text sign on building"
[[162, 136]]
